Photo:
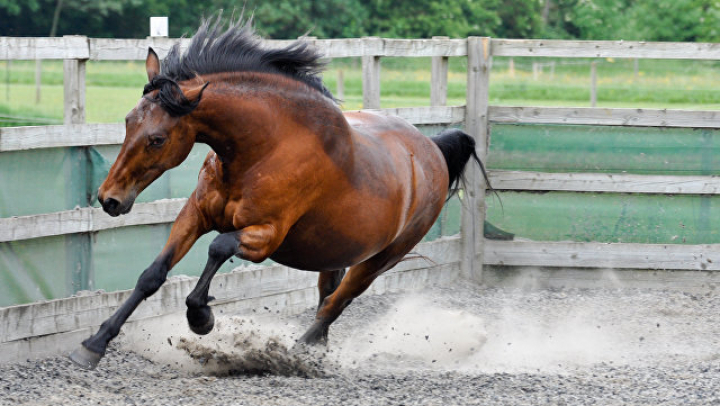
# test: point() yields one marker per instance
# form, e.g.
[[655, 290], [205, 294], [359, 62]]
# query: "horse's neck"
[[250, 122]]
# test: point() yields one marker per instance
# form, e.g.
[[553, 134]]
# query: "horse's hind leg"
[[328, 281], [199, 315], [355, 282]]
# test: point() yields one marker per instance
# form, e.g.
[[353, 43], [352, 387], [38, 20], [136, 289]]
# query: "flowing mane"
[[237, 49]]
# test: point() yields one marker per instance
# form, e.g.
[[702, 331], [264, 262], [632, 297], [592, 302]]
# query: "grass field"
[[113, 88]]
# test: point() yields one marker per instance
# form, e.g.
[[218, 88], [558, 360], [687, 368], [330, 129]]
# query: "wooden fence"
[[476, 116]]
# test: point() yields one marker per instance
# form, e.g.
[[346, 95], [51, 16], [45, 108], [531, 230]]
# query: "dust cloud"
[[482, 330]]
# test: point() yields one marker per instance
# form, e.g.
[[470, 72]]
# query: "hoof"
[[85, 358], [316, 335], [201, 321]]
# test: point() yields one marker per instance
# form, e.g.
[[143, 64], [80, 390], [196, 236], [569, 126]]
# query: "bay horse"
[[289, 177]]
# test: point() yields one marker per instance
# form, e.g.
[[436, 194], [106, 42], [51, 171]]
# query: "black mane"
[[237, 49]]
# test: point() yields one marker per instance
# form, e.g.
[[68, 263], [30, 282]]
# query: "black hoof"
[[85, 358], [200, 320], [316, 335]]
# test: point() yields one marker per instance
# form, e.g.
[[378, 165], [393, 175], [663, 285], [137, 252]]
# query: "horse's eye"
[[156, 140]]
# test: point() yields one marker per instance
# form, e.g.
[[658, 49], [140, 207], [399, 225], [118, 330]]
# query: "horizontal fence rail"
[[605, 49], [701, 257], [80, 47], [604, 182], [87, 220], [53, 136], [58, 136], [605, 116]]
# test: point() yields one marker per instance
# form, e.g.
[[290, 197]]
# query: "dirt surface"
[[442, 346]]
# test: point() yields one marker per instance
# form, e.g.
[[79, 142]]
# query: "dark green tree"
[[520, 18], [427, 18]]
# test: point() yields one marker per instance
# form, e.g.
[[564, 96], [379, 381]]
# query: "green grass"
[[113, 88]]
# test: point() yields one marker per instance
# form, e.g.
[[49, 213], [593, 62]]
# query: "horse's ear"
[[193, 95], [152, 64]]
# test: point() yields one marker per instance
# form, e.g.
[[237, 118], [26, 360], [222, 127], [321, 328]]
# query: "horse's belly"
[[330, 253], [329, 242]]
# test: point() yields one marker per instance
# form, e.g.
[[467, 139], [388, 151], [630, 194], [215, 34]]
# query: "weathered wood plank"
[[424, 115], [476, 124], [358, 47], [76, 47], [110, 49], [602, 116], [371, 77], [534, 277], [53, 136], [87, 219], [439, 79], [605, 49], [74, 91], [603, 255], [604, 182], [67, 47], [22, 138], [424, 47], [136, 49]]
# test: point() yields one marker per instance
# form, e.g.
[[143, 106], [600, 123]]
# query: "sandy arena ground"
[[442, 346]]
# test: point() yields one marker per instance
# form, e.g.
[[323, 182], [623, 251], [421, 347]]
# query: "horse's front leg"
[[185, 231], [254, 243], [199, 315]]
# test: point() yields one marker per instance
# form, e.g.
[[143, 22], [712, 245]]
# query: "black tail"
[[458, 147]]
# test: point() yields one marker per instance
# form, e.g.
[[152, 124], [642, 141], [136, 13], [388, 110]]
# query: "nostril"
[[109, 204]]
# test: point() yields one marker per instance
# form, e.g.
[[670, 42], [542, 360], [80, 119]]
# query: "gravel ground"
[[441, 346]]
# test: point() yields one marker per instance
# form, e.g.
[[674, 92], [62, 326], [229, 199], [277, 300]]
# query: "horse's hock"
[[40, 319]]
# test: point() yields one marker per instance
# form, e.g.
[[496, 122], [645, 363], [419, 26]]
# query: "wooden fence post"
[[439, 78], [78, 247], [74, 91], [371, 74], [476, 124]]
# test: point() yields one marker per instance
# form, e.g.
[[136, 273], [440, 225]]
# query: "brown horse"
[[290, 177]]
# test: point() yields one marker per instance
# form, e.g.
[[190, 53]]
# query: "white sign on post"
[[158, 26]]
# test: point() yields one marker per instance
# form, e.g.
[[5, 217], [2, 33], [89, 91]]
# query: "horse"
[[289, 177]]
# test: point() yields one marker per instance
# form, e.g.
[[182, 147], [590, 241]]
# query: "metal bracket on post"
[[78, 247], [476, 124]]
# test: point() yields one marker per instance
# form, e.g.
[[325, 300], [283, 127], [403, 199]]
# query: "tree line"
[[648, 20]]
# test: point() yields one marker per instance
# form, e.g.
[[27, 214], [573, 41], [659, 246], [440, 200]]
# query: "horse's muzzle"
[[114, 208]]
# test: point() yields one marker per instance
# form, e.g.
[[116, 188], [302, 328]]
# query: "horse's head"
[[157, 138]]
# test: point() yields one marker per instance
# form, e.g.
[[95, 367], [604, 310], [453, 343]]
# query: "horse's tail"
[[458, 147]]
